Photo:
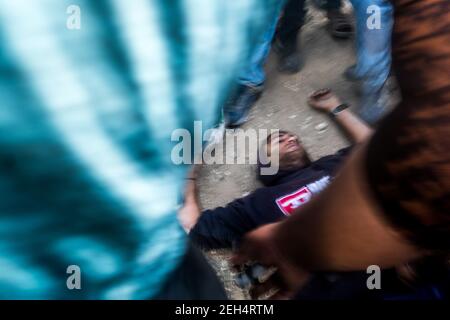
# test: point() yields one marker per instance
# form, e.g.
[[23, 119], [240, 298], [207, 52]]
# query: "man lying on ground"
[[296, 182]]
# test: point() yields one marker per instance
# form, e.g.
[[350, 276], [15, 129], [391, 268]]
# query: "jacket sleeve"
[[223, 226]]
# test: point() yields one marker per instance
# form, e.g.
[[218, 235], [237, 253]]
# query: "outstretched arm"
[[217, 228], [189, 214], [325, 100]]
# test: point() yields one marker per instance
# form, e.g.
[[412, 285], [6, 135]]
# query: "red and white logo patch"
[[290, 202]]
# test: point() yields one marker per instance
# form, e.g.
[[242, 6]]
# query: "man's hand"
[[261, 246], [188, 216], [190, 212], [324, 100]]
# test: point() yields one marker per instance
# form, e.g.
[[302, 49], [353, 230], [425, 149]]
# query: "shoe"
[[237, 109], [339, 25]]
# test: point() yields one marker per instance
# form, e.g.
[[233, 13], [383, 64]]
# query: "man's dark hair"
[[280, 133]]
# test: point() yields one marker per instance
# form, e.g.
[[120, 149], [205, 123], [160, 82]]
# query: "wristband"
[[338, 109]]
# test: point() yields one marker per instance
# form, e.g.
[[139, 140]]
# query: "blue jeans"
[[373, 51], [253, 74]]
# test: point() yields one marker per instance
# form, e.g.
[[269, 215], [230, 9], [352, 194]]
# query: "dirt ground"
[[283, 106]]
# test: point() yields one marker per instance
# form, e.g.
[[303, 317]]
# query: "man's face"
[[291, 152]]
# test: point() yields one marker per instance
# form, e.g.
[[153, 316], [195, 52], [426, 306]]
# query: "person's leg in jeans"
[[286, 43], [373, 51], [251, 81], [253, 74]]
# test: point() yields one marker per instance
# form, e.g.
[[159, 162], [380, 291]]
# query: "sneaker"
[[339, 25]]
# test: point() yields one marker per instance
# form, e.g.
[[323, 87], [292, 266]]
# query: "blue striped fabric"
[[86, 117]]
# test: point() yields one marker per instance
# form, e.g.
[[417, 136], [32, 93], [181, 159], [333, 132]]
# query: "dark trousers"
[[352, 286], [194, 279], [293, 19]]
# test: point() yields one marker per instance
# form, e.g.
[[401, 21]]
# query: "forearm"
[[189, 214], [326, 101], [356, 129], [191, 192]]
